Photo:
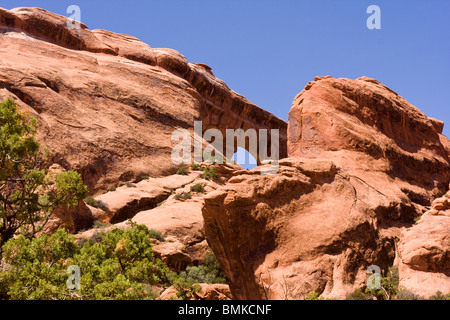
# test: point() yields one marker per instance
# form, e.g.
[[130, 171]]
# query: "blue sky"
[[268, 50]]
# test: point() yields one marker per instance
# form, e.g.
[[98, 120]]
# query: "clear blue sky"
[[268, 50]]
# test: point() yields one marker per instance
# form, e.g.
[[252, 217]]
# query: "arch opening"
[[244, 159]]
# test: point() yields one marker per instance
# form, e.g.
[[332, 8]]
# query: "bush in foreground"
[[121, 265], [29, 193], [208, 272]]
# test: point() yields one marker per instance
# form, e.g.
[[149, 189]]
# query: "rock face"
[[363, 120], [363, 164], [126, 201], [424, 252], [107, 103]]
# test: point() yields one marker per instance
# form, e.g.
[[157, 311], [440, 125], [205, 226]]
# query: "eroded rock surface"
[[366, 127], [424, 252], [107, 103], [156, 203], [363, 164]]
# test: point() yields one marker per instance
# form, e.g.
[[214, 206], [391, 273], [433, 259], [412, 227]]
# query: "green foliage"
[[184, 171], [183, 196], [406, 295], [208, 272], [96, 203], [315, 296], [358, 294], [121, 265], [130, 185], [186, 283], [154, 234], [36, 267], [389, 289], [198, 188], [209, 173], [143, 177], [195, 167], [440, 296], [185, 290], [416, 219], [100, 225], [29, 194], [91, 201], [389, 286], [111, 189]]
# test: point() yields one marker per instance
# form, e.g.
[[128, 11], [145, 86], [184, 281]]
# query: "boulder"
[[366, 127], [126, 201]]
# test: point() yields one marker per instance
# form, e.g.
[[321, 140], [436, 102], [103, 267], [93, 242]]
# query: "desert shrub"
[[130, 185], [389, 286], [185, 290], [184, 171], [314, 296], [183, 196], [102, 205], [197, 188], [358, 294], [91, 201], [121, 265], [195, 167], [100, 225], [440, 296], [111, 189], [156, 235], [29, 192], [208, 272], [96, 203], [406, 295], [209, 173]]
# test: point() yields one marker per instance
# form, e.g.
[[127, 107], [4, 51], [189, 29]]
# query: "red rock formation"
[[424, 252], [344, 119], [107, 103], [153, 202], [364, 163]]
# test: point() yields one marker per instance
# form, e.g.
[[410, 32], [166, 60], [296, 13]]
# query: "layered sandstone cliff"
[[108, 103]]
